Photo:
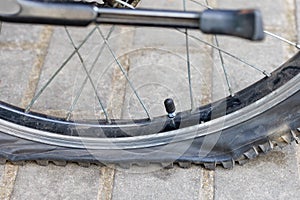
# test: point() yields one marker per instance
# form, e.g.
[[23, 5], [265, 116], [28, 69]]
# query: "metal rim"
[[182, 134]]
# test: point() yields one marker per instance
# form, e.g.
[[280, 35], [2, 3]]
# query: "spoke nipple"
[[267, 74], [297, 46], [170, 107], [232, 94]]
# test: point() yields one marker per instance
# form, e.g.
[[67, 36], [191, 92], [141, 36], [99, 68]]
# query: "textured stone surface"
[[1, 171], [14, 74], [53, 182], [163, 184], [272, 176]]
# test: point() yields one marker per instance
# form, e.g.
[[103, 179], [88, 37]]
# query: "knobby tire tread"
[[236, 145]]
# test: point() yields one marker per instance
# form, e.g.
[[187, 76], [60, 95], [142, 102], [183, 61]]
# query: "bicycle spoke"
[[229, 54], [88, 75], [221, 59], [224, 68], [125, 4], [266, 32], [283, 39], [188, 62], [39, 93], [202, 4], [79, 92], [124, 73]]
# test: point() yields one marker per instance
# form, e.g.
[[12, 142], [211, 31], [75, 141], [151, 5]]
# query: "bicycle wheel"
[[97, 94]]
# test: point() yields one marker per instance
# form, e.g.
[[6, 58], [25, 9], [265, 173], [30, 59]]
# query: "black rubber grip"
[[246, 24]]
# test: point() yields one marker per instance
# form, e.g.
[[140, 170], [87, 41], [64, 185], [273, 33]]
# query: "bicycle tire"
[[276, 131], [248, 128]]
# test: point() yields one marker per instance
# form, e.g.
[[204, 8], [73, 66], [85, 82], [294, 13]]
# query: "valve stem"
[[170, 108]]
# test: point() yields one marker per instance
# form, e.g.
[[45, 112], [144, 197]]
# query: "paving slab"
[[1, 172], [27, 34], [271, 176], [162, 184], [55, 182], [14, 74]]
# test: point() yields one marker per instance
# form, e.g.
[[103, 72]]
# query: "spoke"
[[124, 73], [283, 39], [202, 4], [78, 94], [229, 54], [224, 68], [88, 75], [222, 60], [266, 32], [39, 93], [188, 61], [125, 4]]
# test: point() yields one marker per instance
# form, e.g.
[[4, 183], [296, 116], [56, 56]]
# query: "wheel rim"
[[123, 70]]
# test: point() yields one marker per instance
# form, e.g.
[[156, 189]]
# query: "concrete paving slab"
[[163, 184], [26, 34], [272, 176], [54, 182], [1, 172], [14, 73], [8, 180]]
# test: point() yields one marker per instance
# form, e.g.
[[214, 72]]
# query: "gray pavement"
[[271, 176], [46, 182], [161, 184]]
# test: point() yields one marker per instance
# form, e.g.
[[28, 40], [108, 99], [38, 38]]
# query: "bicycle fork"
[[241, 23]]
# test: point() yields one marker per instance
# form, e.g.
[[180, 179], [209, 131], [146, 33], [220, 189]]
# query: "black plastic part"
[[52, 5], [246, 24], [32, 20], [170, 106]]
